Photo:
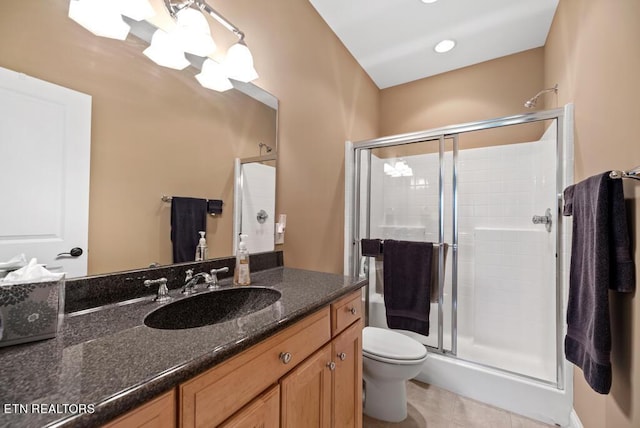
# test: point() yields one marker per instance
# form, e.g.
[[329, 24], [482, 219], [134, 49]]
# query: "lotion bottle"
[[201, 249], [241, 275]]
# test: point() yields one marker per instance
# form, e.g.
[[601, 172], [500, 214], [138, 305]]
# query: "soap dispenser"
[[201, 249], [241, 275]]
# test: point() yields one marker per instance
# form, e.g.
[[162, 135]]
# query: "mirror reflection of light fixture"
[[398, 169], [165, 52], [212, 76]]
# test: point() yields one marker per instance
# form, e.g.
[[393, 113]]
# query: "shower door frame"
[[353, 175]]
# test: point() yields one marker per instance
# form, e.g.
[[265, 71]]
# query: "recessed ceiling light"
[[444, 46], [428, 1]]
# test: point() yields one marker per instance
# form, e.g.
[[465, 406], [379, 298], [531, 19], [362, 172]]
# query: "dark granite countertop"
[[111, 360]]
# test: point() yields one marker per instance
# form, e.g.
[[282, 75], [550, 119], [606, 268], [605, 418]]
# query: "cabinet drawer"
[[345, 312], [213, 396], [158, 413], [263, 412]]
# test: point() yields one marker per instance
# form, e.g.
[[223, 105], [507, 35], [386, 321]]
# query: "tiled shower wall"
[[506, 275]]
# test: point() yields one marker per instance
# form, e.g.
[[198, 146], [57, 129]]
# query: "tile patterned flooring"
[[432, 407]]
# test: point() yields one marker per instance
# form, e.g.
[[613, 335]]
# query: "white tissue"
[[15, 263], [32, 272]]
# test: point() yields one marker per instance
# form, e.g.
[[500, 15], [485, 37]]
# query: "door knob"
[[75, 252]]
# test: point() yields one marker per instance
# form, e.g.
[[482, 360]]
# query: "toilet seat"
[[391, 347]]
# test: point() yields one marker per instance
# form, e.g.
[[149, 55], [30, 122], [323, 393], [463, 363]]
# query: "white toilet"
[[389, 360]]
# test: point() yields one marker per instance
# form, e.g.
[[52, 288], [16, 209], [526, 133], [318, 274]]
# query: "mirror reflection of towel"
[[188, 217]]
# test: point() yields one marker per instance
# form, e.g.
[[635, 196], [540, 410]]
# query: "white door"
[[45, 140]]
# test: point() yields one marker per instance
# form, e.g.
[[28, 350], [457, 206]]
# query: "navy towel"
[[188, 217], [600, 261], [407, 283], [214, 206]]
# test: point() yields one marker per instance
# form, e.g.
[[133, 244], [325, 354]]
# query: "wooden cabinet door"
[[158, 413], [263, 412], [347, 381], [306, 393]]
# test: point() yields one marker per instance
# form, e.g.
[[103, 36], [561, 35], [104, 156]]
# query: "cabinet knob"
[[342, 356], [285, 357], [331, 365], [353, 310]]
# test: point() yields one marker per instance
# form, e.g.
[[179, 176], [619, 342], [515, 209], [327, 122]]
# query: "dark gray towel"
[[371, 247], [407, 282], [214, 206], [600, 260], [188, 217]]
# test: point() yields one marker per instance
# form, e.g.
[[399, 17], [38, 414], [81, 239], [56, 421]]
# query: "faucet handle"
[[214, 277], [188, 274], [163, 291]]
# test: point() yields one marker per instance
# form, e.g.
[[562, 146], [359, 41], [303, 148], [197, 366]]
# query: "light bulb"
[[213, 77], [238, 64], [163, 51], [192, 33], [101, 17]]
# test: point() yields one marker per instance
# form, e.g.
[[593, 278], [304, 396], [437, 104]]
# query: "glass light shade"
[[137, 9], [192, 33], [238, 64], [101, 17], [213, 77], [163, 51]]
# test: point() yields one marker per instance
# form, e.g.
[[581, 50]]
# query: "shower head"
[[533, 101], [268, 148]]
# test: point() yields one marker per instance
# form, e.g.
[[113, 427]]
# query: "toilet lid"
[[390, 344]]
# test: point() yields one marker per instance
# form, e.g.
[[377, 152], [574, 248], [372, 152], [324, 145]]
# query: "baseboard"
[[574, 420]]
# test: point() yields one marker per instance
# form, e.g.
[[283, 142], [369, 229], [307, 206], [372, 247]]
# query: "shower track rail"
[[353, 214]]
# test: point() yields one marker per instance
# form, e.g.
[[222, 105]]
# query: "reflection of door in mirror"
[[255, 189], [45, 138]]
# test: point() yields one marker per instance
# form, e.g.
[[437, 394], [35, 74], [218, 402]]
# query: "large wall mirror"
[[154, 131]]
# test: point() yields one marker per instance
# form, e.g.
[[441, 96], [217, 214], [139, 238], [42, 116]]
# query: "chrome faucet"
[[191, 281], [163, 291], [213, 285]]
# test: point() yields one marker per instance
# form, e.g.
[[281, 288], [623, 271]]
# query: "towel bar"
[[634, 174]]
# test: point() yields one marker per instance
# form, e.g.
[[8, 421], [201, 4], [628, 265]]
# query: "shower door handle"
[[545, 219]]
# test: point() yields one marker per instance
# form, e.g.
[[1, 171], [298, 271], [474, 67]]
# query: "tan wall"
[[326, 98], [491, 89], [156, 131], [592, 53]]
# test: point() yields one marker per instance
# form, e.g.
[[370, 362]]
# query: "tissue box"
[[30, 311]]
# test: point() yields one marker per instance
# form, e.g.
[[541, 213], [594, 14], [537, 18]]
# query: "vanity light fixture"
[[238, 63], [104, 17], [165, 52], [192, 33], [213, 77], [444, 46]]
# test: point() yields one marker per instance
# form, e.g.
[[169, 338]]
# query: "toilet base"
[[386, 401]]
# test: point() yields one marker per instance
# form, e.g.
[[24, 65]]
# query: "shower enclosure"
[[488, 195]]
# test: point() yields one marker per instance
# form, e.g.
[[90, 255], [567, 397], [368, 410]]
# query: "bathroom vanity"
[[294, 363]]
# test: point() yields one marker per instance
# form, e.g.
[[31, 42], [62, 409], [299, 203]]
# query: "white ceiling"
[[393, 40]]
